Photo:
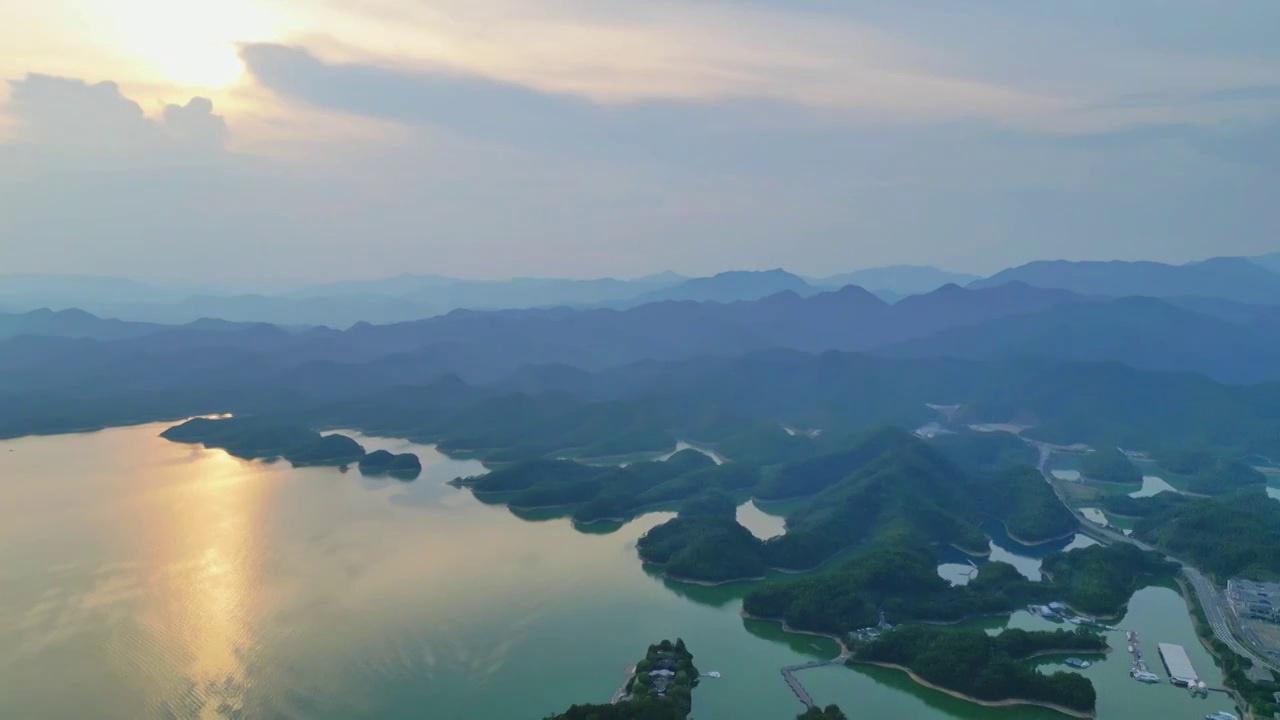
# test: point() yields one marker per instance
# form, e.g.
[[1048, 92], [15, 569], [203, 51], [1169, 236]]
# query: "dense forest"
[[986, 451], [553, 411], [611, 492], [987, 667], [661, 689], [400, 465], [886, 482], [1205, 473], [1236, 535], [268, 437], [704, 542], [1109, 464], [1099, 579], [899, 576]]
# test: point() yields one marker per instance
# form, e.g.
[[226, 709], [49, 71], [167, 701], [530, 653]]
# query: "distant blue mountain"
[[730, 287], [1236, 279], [1141, 332], [897, 281], [1270, 262]]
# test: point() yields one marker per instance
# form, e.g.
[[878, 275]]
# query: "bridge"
[[788, 674]]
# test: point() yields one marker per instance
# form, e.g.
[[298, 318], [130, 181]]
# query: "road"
[[1216, 607]]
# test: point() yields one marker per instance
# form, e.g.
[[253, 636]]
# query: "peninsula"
[[265, 437], [986, 669]]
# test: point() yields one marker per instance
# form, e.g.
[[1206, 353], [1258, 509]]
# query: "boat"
[[712, 674], [1221, 715], [1130, 649], [1078, 663], [1145, 676]]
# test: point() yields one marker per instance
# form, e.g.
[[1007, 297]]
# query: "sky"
[[202, 141]]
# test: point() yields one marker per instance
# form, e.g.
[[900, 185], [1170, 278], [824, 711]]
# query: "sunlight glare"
[[192, 44]]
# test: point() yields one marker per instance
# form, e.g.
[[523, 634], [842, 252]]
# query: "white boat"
[[1146, 677], [712, 674]]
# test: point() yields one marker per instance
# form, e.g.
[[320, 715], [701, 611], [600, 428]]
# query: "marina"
[[1139, 670], [1178, 665]]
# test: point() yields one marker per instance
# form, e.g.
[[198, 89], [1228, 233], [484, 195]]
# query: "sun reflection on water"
[[209, 541]]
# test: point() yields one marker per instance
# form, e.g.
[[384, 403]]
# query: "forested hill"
[[539, 412]]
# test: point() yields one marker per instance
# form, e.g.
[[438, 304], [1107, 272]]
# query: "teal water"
[[144, 579]]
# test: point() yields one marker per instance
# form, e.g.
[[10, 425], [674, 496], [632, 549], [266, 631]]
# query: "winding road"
[[1216, 607]]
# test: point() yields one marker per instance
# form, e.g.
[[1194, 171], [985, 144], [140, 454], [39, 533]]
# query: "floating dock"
[[1178, 664]]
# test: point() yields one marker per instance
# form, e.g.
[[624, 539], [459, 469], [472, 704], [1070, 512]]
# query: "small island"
[[660, 688], [986, 669], [1110, 465], [265, 437], [405, 466], [603, 493]]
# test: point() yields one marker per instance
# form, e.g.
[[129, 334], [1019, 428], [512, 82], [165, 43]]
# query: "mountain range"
[[1242, 280]]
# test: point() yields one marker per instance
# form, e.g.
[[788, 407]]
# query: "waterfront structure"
[[1177, 664]]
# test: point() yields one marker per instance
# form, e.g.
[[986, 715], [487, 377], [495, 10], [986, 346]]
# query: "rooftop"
[[1176, 661]]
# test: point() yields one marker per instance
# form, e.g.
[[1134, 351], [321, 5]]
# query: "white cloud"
[[72, 115]]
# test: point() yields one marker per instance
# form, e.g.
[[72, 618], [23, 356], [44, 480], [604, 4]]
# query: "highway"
[[1216, 607]]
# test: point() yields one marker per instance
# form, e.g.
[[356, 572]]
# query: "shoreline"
[[1192, 603], [621, 692], [971, 553], [1010, 702], [844, 651], [1035, 543], [707, 583]]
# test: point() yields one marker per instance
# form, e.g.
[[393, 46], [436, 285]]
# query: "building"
[[1177, 664], [1255, 600]]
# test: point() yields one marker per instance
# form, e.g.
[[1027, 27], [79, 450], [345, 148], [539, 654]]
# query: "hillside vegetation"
[[988, 667]]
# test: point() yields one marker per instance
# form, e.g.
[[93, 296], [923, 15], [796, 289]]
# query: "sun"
[[211, 64], [189, 43]]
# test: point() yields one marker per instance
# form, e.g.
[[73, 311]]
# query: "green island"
[[382, 462], [600, 493], [254, 438], [1109, 464], [987, 669], [1203, 472], [660, 687]]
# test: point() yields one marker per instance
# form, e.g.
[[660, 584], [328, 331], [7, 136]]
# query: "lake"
[[145, 579]]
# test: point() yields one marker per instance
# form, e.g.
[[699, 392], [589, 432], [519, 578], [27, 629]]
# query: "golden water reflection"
[[206, 536]]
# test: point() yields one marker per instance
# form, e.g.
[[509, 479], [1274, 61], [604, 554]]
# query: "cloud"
[[70, 114]]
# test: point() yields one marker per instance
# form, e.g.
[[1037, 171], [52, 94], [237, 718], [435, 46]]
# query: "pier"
[[788, 674]]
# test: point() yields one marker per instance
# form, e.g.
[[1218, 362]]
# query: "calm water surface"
[[144, 579]]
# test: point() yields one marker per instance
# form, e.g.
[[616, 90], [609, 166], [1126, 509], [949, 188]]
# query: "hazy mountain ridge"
[[1240, 280], [1144, 333]]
